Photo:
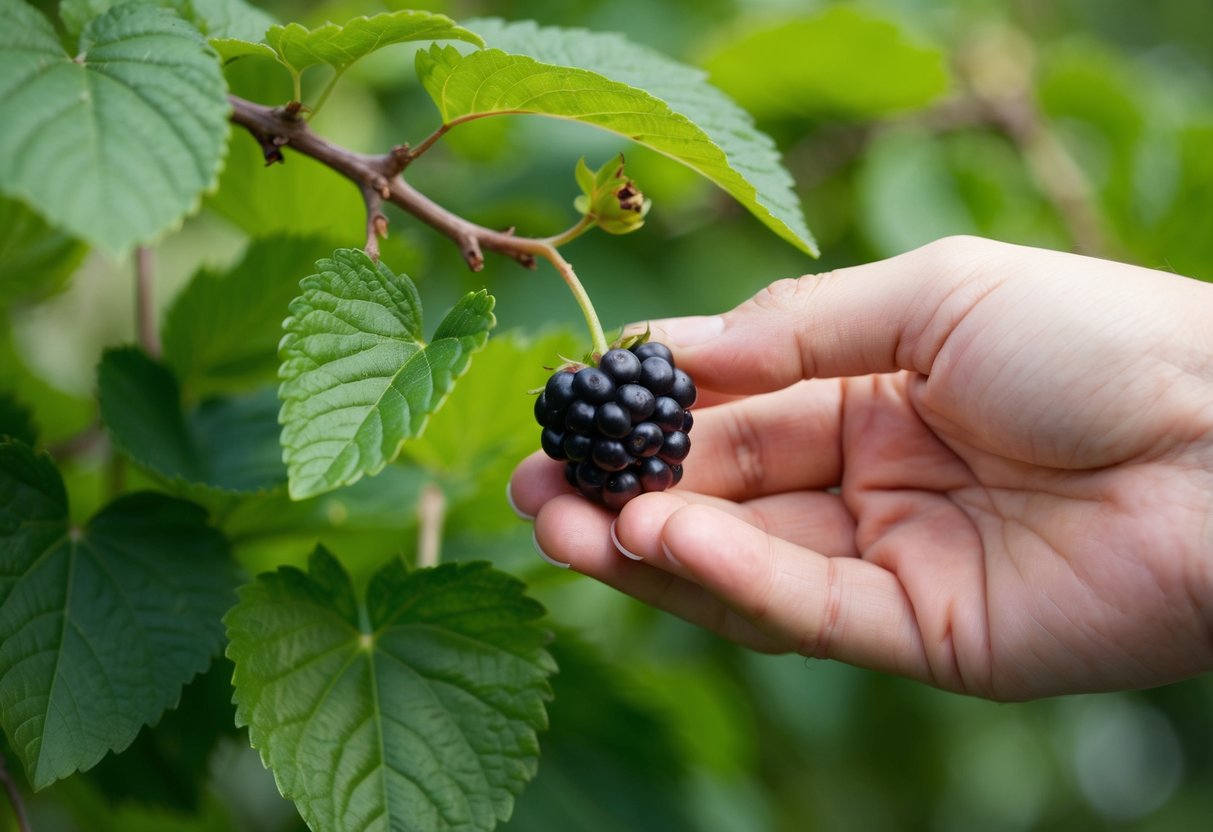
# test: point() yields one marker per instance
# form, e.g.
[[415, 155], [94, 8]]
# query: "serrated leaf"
[[841, 62], [101, 626], [225, 444], [215, 18], [68, 139], [339, 46], [16, 420], [37, 258], [605, 80], [222, 331], [415, 708], [357, 378]]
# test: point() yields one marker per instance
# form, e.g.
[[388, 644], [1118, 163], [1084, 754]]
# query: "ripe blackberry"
[[621, 427]]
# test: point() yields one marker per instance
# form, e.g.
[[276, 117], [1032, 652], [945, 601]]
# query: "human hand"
[[983, 466]]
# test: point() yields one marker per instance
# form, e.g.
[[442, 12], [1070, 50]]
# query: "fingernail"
[[622, 550], [545, 555], [509, 498], [670, 555], [690, 331]]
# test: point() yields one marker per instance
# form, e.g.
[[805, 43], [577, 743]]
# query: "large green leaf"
[[358, 380], [222, 330], [839, 62], [604, 80], [223, 444], [100, 626], [118, 142], [414, 709], [37, 258]]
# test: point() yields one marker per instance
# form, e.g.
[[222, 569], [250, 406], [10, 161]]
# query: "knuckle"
[[817, 641], [746, 443], [786, 292]]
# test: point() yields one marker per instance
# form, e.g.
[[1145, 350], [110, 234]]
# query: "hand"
[[983, 466]]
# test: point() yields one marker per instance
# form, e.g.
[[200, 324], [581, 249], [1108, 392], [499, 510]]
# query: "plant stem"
[[14, 797], [145, 311], [597, 336], [584, 224], [324, 94], [431, 513]]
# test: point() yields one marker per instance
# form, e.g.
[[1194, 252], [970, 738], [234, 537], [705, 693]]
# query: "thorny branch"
[[380, 179]]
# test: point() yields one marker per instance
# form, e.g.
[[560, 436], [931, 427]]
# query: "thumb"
[[880, 317]]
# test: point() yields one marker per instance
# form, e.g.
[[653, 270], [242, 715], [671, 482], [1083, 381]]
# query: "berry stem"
[[584, 224], [597, 336]]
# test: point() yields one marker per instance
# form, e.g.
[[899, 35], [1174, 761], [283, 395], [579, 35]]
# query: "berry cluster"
[[620, 427]]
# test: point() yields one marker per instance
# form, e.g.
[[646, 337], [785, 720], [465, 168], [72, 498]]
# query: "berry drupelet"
[[621, 427]]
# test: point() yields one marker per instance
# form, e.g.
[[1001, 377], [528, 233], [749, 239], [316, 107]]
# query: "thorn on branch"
[[376, 221], [271, 152], [470, 246], [397, 160]]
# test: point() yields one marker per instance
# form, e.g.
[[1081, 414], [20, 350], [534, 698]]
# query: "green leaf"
[[16, 420], [230, 49], [414, 709], [222, 331], [37, 258], [216, 18], [101, 626], [357, 378], [840, 62], [230, 19], [118, 143], [224, 444], [340, 46], [606, 81]]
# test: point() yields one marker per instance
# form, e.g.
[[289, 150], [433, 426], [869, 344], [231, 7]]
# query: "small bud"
[[608, 197]]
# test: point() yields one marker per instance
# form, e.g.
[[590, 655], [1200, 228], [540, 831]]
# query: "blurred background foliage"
[[1084, 125]]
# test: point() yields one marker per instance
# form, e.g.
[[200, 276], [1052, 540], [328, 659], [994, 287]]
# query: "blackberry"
[[621, 428]]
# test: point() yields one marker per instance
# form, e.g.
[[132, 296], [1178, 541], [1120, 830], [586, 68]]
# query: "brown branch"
[[278, 127], [376, 220]]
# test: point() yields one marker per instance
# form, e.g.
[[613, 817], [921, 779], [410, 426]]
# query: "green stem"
[[584, 224], [324, 93], [597, 336]]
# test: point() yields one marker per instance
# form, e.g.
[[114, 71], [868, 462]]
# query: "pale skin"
[[982, 466]]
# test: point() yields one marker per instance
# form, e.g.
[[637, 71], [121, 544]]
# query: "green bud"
[[609, 198]]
